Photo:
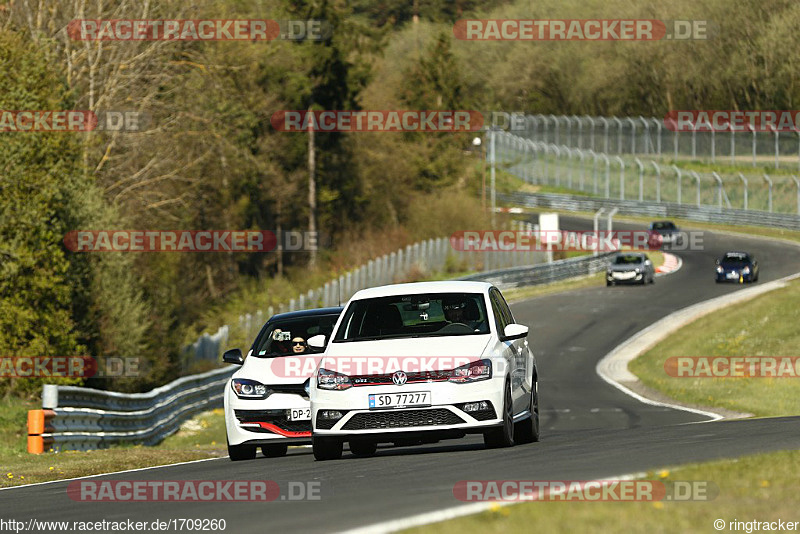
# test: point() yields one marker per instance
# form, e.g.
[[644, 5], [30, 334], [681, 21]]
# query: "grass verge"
[[760, 487], [764, 326]]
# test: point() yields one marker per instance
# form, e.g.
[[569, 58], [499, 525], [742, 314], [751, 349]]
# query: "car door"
[[518, 355]]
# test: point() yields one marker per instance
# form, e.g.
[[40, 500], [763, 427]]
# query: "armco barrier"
[[653, 209], [544, 273], [76, 418]]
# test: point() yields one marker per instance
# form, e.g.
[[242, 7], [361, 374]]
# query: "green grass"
[[764, 326], [760, 487]]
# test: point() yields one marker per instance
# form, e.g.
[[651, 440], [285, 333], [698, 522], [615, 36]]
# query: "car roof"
[[412, 288], [640, 254], [307, 313]]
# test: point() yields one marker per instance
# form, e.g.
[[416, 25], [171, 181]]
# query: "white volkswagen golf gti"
[[422, 362], [266, 400]]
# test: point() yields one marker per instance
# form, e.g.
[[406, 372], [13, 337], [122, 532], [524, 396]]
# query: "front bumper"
[[734, 276], [444, 414], [624, 277], [261, 422]]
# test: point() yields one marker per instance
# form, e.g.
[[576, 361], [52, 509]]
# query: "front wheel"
[[504, 435], [238, 453], [326, 448], [527, 431]]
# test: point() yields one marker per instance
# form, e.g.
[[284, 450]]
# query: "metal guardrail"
[[652, 209], [77, 418], [543, 273]]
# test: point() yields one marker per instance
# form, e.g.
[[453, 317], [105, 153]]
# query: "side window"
[[497, 310], [504, 309]]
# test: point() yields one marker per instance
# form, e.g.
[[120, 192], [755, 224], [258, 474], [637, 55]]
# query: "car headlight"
[[249, 389], [327, 379], [637, 270], [720, 269], [472, 372], [746, 270]]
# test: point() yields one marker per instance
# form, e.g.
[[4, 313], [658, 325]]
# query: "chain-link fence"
[[634, 177], [650, 137]]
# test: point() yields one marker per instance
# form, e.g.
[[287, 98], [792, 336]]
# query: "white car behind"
[[266, 401]]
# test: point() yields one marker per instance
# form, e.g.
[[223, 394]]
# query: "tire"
[[238, 453], [503, 436], [274, 451], [363, 449], [326, 448], [527, 431]]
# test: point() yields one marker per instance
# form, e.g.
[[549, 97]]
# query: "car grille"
[[402, 419], [274, 417], [297, 389], [386, 379]]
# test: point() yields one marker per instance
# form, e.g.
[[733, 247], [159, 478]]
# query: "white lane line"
[[393, 525], [111, 473]]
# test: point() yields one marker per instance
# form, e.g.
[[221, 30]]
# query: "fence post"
[[641, 179], [744, 181], [621, 177], [697, 177], [797, 185], [679, 174], [658, 181], [719, 190], [769, 201]]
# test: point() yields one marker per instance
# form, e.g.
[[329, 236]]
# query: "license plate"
[[300, 414], [733, 275], [624, 276], [399, 400]]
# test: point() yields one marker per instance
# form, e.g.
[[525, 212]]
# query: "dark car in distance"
[[738, 267]]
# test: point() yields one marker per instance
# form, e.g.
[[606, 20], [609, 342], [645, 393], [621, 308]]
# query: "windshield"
[[441, 314], [290, 336], [735, 259], [624, 260], [663, 226]]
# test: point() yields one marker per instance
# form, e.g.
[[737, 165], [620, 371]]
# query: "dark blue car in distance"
[[737, 267]]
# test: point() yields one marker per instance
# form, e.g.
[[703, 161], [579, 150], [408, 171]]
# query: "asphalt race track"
[[589, 429]]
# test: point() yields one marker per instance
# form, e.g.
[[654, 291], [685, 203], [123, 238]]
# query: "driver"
[[454, 308]]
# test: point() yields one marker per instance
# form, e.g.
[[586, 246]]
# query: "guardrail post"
[[610, 220], [596, 226], [769, 201], [658, 181], [680, 177]]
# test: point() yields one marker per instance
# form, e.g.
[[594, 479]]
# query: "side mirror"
[[233, 356], [318, 341], [515, 331]]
